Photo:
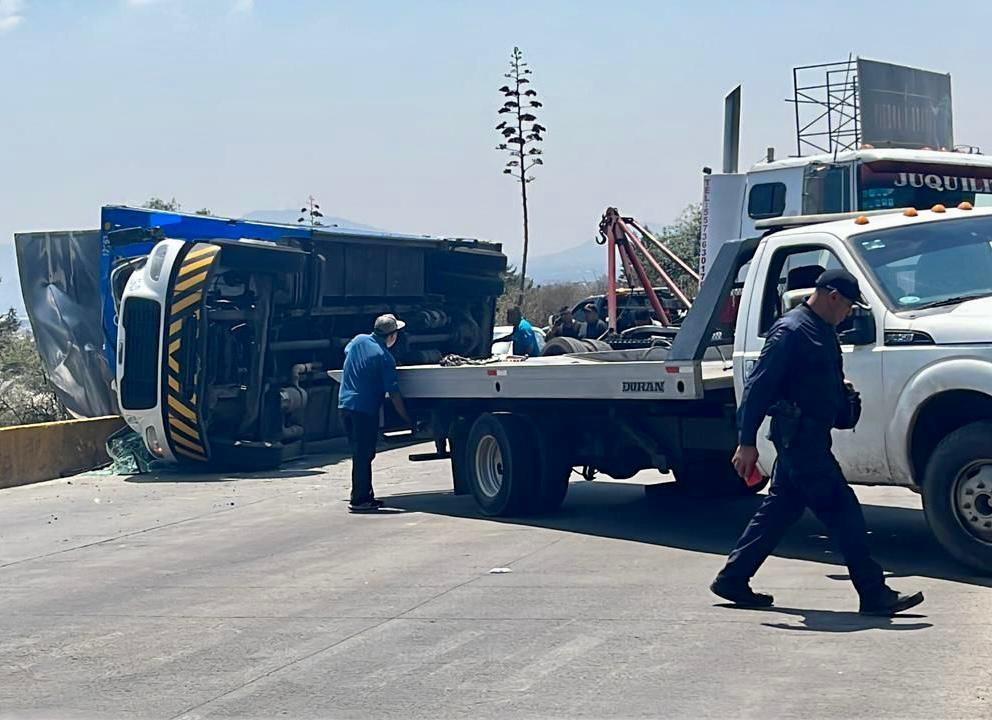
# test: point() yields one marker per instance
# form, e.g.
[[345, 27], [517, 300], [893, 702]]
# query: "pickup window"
[[791, 277]]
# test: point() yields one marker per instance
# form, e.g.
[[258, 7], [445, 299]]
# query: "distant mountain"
[[289, 217], [582, 262]]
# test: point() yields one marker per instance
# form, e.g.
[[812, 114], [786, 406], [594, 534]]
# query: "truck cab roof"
[[848, 225], [878, 155]]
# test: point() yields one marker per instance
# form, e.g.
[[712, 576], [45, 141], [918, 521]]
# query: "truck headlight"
[[907, 337], [158, 259]]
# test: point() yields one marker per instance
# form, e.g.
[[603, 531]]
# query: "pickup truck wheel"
[[957, 494], [502, 467]]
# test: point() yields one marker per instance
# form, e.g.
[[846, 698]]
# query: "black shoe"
[[889, 603], [377, 502], [365, 507], [740, 593]]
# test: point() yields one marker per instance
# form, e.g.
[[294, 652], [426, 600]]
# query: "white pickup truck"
[[921, 358]]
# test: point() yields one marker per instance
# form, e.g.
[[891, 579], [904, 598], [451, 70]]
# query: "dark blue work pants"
[[808, 478]]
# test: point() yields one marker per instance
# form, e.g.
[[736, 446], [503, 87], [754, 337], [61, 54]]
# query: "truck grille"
[[142, 335]]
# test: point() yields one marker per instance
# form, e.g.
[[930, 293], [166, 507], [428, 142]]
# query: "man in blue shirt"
[[799, 381], [369, 373], [523, 335]]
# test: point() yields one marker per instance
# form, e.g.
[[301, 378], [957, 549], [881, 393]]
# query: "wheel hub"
[[489, 466], [973, 499]]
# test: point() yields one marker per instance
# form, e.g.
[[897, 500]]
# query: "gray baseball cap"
[[386, 325]]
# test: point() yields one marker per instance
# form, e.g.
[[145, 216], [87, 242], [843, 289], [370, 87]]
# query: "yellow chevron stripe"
[[190, 282], [194, 266], [180, 425], [186, 302], [188, 444], [200, 252], [173, 365], [174, 384], [190, 455], [176, 327], [181, 409], [175, 345]]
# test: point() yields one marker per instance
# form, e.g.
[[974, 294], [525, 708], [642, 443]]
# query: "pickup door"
[[783, 274]]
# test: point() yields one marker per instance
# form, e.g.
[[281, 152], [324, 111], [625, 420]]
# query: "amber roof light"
[[938, 208]]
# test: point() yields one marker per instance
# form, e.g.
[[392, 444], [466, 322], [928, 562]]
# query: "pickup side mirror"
[[859, 329]]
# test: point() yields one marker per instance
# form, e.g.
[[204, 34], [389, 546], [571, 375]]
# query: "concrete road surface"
[[165, 596]]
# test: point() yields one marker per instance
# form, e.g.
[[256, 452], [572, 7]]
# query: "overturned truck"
[[220, 332]]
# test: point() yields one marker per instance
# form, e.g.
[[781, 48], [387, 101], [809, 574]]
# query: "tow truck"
[[921, 357]]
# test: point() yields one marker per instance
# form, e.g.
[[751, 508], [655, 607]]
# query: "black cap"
[[845, 283]]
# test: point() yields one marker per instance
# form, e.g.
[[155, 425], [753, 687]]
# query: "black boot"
[[740, 593], [889, 602]]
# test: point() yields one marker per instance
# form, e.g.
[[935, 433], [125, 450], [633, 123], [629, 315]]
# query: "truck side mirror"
[[859, 329]]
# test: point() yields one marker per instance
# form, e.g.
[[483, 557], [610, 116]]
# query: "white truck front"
[[922, 357], [160, 309]]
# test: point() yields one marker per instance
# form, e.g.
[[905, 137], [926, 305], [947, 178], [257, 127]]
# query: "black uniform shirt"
[[800, 362]]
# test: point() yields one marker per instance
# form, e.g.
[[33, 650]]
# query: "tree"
[[157, 203], [26, 396], [538, 302], [522, 135], [311, 211], [682, 237], [204, 211]]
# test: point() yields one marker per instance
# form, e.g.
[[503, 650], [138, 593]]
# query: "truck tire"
[[596, 345], [502, 466], [957, 494], [555, 470], [564, 346], [710, 474], [457, 442]]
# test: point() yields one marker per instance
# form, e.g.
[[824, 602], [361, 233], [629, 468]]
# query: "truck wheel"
[[555, 470], [957, 494], [457, 442], [706, 473], [596, 345], [564, 346], [502, 467]]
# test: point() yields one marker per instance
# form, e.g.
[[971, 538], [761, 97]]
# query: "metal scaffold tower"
[[825, 97]]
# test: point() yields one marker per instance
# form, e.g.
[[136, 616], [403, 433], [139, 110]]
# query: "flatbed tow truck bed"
[[607, 375]]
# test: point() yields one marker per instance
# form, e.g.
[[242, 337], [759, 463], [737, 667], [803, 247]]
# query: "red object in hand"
[[755, 478]]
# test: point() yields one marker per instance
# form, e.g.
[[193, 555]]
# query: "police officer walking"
[[369, 373], [799, 381]]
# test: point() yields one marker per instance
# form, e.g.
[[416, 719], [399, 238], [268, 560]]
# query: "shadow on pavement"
[[311, 465], [900, 539], [836, 621]]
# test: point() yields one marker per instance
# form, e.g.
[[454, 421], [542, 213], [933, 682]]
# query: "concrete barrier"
[[34, 453]]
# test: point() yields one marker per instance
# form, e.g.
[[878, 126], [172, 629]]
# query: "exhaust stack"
[[731, 130]]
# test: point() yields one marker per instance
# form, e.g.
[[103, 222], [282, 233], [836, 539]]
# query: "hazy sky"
[[385, 110]]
